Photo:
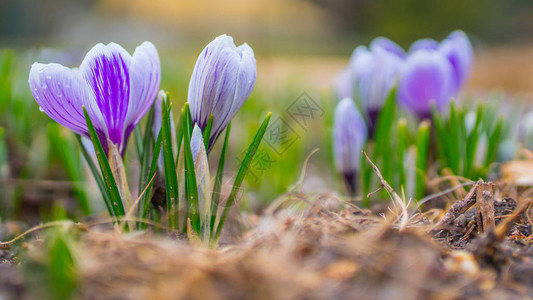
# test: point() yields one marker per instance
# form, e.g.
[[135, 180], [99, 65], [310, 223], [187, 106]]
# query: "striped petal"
[[222, 79], [106, 69], [145, 76], [61, 93]]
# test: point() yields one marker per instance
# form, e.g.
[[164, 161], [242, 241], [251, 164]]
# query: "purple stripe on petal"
[[222, 80], [106, 70]]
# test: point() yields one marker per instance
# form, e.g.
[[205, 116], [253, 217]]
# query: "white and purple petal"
[[222, 80], [145, 78], [424, 44], [61, 93], [427, 76], [458, 50], [388, 45], [106, 69], [349, 136], [197, 141], [343, 84]]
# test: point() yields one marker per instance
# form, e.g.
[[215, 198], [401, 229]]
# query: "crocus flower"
[[349, 137], [458, 50], [222, 79], [424, 44], [116, 88], [343, 84], [376, 71], [426, 77], [388, 45], [197, 141]]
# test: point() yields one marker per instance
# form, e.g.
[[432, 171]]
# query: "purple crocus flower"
[[424, 44], [376, 71], [349, 137], [426, 77], [388, 45], [116, 88], [458, 50], [222, 79], [343, 84]]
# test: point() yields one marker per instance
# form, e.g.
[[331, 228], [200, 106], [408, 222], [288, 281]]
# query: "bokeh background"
[[299, 46], [330, 29]]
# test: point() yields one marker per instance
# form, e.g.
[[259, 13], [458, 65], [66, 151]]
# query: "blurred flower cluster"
[[429, 74]]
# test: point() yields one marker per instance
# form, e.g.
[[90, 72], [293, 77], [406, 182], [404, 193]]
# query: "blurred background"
[[300, 45], [330, 29]]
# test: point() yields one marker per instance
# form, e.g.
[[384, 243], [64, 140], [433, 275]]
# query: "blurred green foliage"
[[407, 20]]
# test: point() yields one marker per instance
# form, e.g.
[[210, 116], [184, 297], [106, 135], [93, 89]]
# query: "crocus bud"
[[458, 50], [424, 44], [197, 141], [343, 84], [222, 79], [426, 78], [376, 71], [388, 45], [116, 88], [349, 137]]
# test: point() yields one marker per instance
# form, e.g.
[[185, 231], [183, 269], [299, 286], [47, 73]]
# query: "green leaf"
[[402, 146], [252, 149], [97, 177], [138, 141], [422, 150], [63, 273], [147, 144], [494, 140], [171, 180], [107, 174], [383, 150], [144, 204], [207, 132], [191, 188], [218, 179]]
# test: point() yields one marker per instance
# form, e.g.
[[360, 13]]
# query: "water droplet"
[[41, 109], [48, 77], [45, 86], [67, 86]]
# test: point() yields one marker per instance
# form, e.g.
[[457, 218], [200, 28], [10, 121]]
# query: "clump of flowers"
[[430, 72], [108, 96]]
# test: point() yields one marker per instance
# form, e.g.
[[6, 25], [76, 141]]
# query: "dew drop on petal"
[[41, 109], [48, 77]]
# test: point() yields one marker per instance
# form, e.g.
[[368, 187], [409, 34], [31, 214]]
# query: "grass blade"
[[241, 174], [422, 151], [218, 179], [171, 180], [145, 155], [107, 174], [144, 204], [191, 188], [207, 132]]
